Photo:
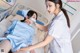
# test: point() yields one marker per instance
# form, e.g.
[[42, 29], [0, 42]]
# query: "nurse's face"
[[50, 7]]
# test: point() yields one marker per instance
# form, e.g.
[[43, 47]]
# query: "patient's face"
[[31, 19]]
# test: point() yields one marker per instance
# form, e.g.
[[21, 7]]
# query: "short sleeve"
[[56, 29], [11, 27]]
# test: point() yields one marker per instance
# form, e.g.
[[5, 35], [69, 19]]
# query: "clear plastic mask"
[[32, 19]]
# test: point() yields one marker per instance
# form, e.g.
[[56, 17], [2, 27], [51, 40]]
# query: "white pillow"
[[24, 12]]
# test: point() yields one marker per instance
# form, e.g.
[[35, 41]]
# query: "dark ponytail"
[[23, 20], [67, 17], [64, 11]]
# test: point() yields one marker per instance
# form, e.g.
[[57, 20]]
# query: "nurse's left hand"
[[24, 49]]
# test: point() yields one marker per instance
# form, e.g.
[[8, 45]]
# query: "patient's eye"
[[50, 5]]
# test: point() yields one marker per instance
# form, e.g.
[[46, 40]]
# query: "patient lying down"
[[20, 33]]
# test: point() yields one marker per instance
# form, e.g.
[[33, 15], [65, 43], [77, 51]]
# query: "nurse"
[[58, 33]]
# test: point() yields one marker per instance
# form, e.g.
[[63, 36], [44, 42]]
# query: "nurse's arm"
[[41, 27], [41, 44]]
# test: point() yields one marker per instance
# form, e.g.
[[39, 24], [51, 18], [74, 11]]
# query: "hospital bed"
[[5, 23]]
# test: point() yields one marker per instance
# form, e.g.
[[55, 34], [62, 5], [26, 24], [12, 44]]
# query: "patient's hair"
[[30, 14]]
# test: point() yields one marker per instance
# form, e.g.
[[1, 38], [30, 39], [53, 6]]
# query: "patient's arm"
[[41, 27]]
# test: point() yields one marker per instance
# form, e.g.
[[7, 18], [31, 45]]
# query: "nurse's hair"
[[30, 14], [64, 11]]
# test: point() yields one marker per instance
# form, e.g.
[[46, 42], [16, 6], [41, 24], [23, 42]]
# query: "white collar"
[[59, 14]]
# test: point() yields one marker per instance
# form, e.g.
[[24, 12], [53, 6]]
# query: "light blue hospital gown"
[[21, 36]]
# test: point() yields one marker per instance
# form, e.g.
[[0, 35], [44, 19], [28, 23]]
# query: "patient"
[[20, 33]]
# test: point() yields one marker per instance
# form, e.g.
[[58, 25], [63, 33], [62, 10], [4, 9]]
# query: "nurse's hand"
[[24, 49], [27, 49]]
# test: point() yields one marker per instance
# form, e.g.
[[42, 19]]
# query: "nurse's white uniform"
[[60, 32]]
